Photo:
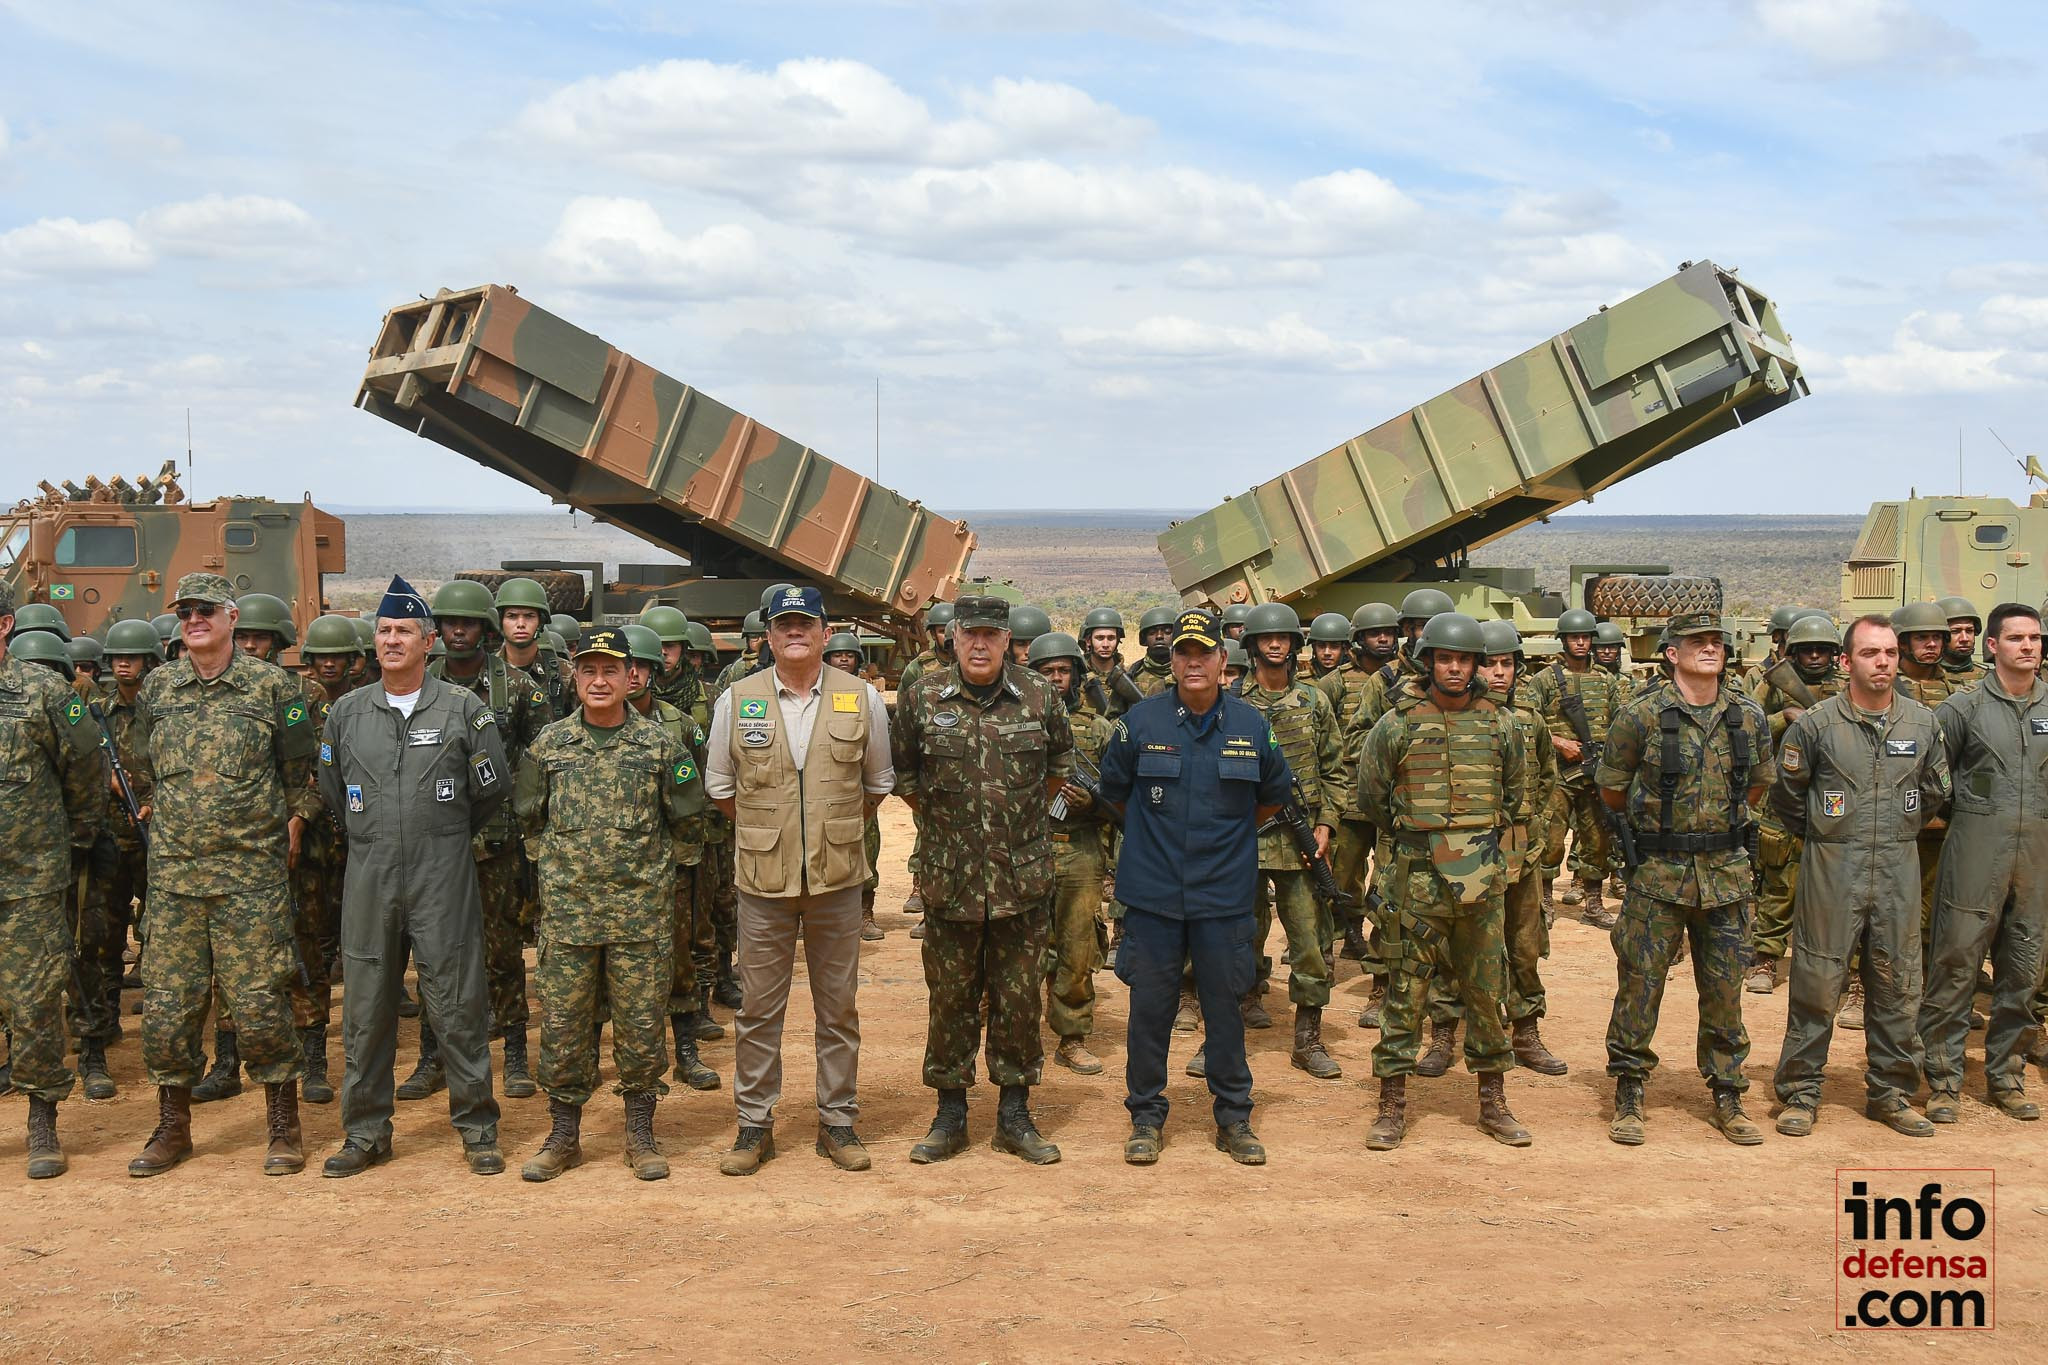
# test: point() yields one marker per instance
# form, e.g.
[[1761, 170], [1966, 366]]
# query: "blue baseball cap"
[[796, 602]]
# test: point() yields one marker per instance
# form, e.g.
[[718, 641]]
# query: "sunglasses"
[[187, 610]]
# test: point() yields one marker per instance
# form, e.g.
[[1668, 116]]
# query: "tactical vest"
[[799, 832], [1450, 776], [1292, 717], [1671, 771]]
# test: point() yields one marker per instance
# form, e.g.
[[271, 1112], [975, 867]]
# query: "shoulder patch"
[[327, 754], [685, 770], [295, 713], [539, 698], [73, 710], [483, 718], [1790, 759]]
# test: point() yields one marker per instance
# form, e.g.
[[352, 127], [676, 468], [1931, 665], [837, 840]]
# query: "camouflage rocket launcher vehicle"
[[1403, 505], [1986, 550], [520, 391], [112, 550]]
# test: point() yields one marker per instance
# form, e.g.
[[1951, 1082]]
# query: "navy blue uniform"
[[1190, 786]]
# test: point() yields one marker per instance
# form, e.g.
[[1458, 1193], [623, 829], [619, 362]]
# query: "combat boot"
[[948, 1136], [1495, 1119], [1531, 1053], [690, 1068], [643, 1153], [518, 1079], [2034, 1046], [1797, 1118], [1198, 1065], [1733, 1123], [225, 1077], [1574, 893], [408, 1007], [1073, 1054], [171, 1143], [287, 1151], [1253, 1010], [1901, 1117], [1188, 1017], [428, 1076], [1240, 1143], [917, 930], [708, 1029], [1762, 976], [1375, 1003], [1628, 1127], [752, 1149], [2012, 1102], [1309, 1054], [1015, 1131], [726, 989], [1443, 1043], [914, 903], [870, 931], [1944, 1106], [562, 1149], [1355, 946], [313, 1042], [1850, 1012], [45, 1157], [92, 1069], [1595, 910], [1390, 1125]]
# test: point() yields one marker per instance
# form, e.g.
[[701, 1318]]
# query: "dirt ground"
[[1451, 1247]]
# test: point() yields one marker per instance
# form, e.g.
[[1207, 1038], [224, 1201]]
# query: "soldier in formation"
[[606, 796], [979, 751], [1153, 672], [843, 652], [1578, 700], [1441, 772], [1685, 760], [1806, 674]]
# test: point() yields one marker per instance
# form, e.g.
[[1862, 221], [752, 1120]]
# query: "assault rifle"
[[1088, 778], [1293, 818], [122, 786], [1783, 676], [1573, 708]]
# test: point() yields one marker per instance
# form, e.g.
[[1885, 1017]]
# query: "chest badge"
[[355, 799], [1158, 795], [1901, 748], [444, 789], [1912, 799], [946, 720], [755, 739], [2039, 724], [1834, 805]]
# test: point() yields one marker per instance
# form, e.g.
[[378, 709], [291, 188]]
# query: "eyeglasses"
[[187, 610]]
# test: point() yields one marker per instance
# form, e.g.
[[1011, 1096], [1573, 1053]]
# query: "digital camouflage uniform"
[[521, 709], [1356, 842], [977, 768], [231, 759], [1442, 785], [1577, 804], [52, 801], [1778, 849], [683, 731], [1151, 678], [119, 875], [709, 934], [1304, 725], [717, 887], [1676, 893], [1855, 790], [604, 814], [1077, 949]]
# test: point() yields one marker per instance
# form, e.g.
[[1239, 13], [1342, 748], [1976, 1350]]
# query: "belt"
[[1061, 838], [1418, 841], [1726, 841]]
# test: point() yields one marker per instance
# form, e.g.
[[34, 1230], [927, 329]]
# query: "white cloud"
[[227, 227], [622, 246], [3, 137], [1930, 353], [65, 246], [1287, 340], [1201, 273], [1120, 387], [1844, 34], [1541, 213]]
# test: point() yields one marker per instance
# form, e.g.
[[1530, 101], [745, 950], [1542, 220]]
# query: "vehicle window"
[[10, 548], [97, 547], [239, 536], [1990, 536]]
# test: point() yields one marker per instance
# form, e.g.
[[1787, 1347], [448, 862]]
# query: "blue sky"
[[1099, 254]]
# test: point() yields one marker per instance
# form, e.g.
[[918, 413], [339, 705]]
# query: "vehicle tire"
[[1653, 595], [565, 589]]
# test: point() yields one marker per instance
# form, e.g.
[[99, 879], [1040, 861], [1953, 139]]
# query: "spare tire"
[[565, 589], [1653, 595]]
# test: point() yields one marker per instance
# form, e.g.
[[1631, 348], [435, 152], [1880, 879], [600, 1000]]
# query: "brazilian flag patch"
[[73, 709], [753, 708], [685, 770], [294, 713]]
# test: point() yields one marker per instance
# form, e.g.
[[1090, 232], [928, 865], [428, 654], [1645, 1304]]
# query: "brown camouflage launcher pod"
[[521, 391], [1628, 388], [112, 550]]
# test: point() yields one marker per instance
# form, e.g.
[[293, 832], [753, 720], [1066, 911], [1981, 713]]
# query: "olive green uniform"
[[1931, 692], [1778, 848], [1442, 784], [1077, 947], [1556, 691], [1856, 790], [1304, 725]]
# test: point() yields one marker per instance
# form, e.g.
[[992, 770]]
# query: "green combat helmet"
[[1453, 632], [643, 644], [41, 616], [752, 624], [939, 614], [774, 592], [133, 636], [1920, 618], [259, 611], [166, 628], [1954, 608], [522, 592], [332, 635], [844, 642], [366, 633], [697, 638], [1234, 614], [437, 650], [1783, 617], [85, 650], [551, 642], [1235, 657], [1816, 630], [1375, 616], [1054, 644], [1028, 623], [1101, 618], [42, 647], [1156, 618], [1330, 628], [1501, 637], [1577, 621], [1272, 618], [1424, 603], [668, 623], [566, 626], [1608, 635], [468, 599]]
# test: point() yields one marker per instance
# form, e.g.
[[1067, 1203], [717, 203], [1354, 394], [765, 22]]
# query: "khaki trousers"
[[767, 964]]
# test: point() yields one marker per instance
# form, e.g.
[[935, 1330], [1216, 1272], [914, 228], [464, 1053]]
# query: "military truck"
[[111, 549], [1920, 549], [1403, 505], [525, 393]]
